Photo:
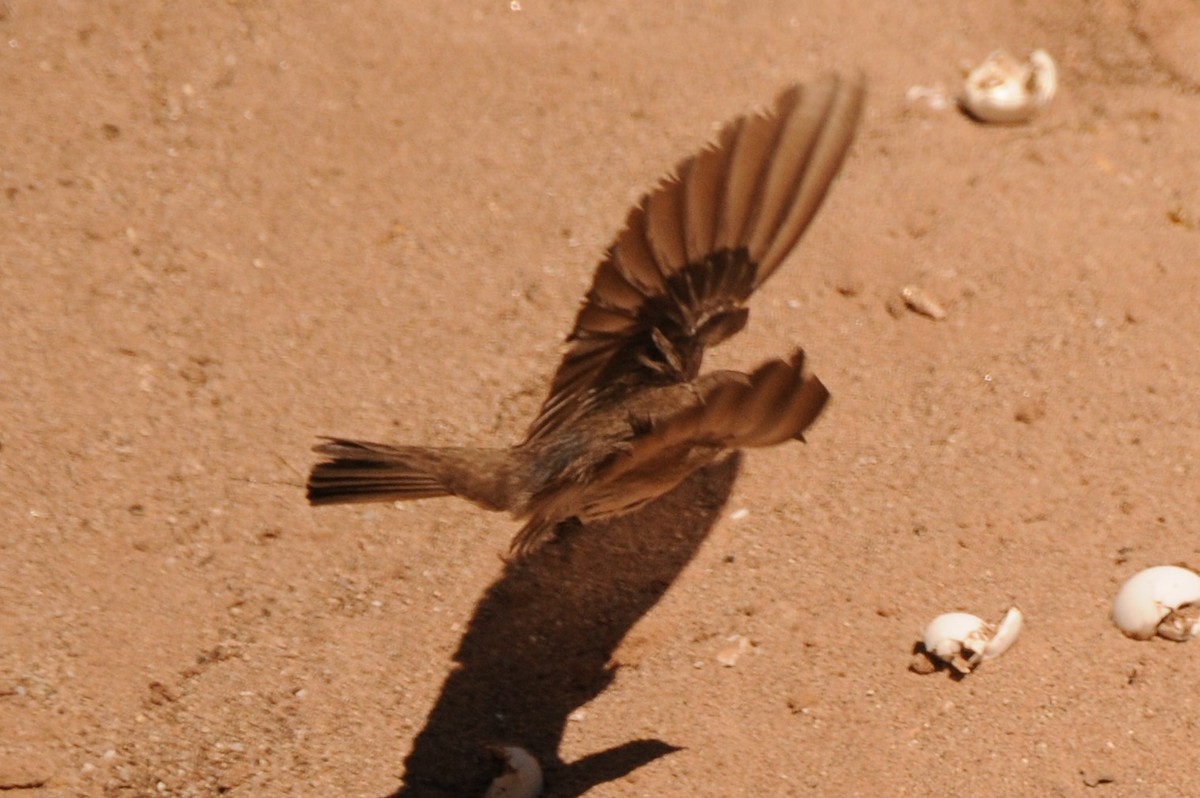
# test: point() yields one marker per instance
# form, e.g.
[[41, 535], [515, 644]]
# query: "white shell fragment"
[[1005, 90], [963, 641], [935, 97], [1164, 600], [737, 645], [522, 776], [918, 300]]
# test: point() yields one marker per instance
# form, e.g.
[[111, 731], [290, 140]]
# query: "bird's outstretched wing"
[[693, 250], [774, 403]]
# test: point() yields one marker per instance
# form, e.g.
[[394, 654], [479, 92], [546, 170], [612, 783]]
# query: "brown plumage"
[[629, 415]]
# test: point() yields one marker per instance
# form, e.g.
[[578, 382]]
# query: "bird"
[[629, 415]]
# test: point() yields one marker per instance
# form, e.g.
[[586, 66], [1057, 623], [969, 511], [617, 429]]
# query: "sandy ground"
[[228, 227]]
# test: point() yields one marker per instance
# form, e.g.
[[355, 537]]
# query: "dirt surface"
[[228, 227]]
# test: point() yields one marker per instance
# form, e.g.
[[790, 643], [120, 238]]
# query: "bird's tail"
[[361, 471]]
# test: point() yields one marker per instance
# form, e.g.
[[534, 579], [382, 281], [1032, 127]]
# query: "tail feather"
[[362, 471]]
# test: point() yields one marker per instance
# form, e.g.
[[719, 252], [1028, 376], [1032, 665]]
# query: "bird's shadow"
[[540, 644]]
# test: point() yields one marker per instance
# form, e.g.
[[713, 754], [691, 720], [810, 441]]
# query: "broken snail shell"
[[1164, 600], [522, 776], [1005, 90], [963, 641]]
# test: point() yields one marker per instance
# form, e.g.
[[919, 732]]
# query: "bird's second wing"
[[693, 250], [776, 402]]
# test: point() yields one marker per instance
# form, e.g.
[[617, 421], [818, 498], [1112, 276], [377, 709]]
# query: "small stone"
[[922, 665], [1029, 410], [920, 301], [1096, 778], [848, 286], [23, 773]]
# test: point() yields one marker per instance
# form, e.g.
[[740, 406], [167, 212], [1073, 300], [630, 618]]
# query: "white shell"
[[963, 640], [1003, 89], [1163, 600], [1007, 632], [522, 776]]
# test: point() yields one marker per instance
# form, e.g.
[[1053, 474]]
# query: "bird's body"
[[629, 415]]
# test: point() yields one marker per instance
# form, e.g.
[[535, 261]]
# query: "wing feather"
[[633, 258], [664, 233], [703, 182], [692, 251], [612, 290], [827, 135], [778, 401]]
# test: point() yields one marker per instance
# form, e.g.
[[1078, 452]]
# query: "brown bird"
[[629, 415]]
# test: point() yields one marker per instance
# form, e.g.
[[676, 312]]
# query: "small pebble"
[[920, 301]]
